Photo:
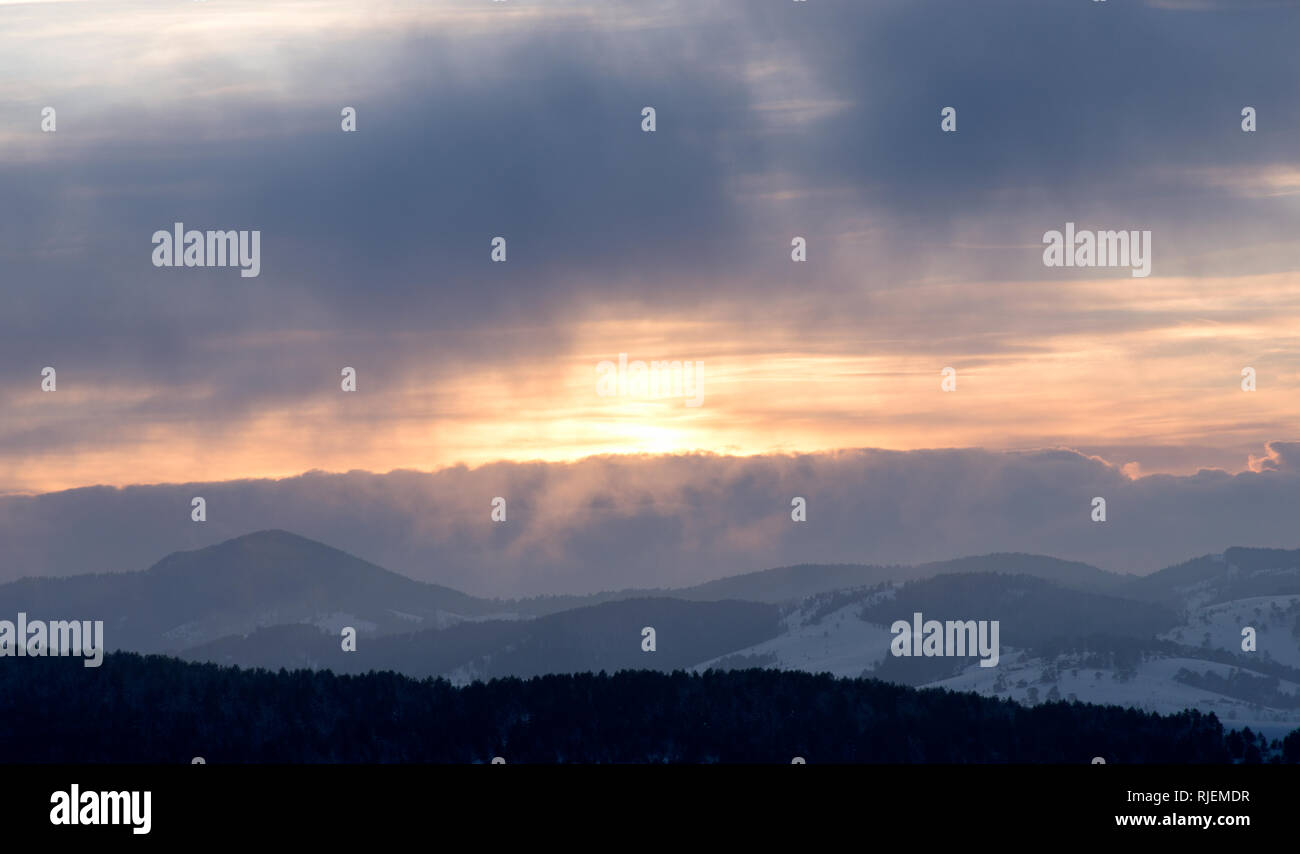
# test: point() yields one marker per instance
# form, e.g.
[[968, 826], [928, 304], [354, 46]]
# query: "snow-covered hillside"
[[828, 634]]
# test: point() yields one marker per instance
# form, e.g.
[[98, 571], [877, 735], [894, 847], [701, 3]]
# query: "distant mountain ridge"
[[264, 578], [605, 637], [275, 577], [792, 583], [1238, 573]]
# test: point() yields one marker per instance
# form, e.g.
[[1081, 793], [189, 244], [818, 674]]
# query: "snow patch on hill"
[[1152, 687], [839, 642], [1274, 618]]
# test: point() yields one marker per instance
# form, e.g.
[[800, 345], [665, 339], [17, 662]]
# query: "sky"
[[774, 120]]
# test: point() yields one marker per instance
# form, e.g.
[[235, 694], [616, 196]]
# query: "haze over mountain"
[[677, 520]]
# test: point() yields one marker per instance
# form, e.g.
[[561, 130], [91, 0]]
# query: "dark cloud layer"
[[615, 522], [531, 130]]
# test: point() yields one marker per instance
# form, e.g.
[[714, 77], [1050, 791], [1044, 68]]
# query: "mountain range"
[[1163, 642]]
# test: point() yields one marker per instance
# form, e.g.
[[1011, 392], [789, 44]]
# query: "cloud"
[[479, 119], [1278, 456], [642, 521], [1221, 5]]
